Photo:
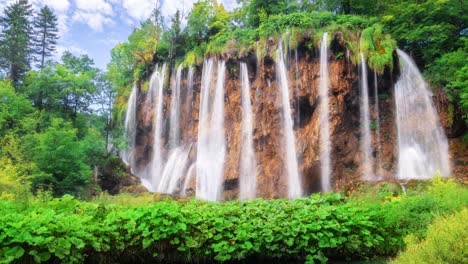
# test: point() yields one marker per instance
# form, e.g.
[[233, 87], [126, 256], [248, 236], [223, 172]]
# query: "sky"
[[94, 27]]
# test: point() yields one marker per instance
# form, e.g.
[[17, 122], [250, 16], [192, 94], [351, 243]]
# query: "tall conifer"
[[15, 40], [46, 35]]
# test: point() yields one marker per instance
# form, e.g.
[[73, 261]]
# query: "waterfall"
[[177, 161], [378, 170], [422, 144], [247, 171], [174, 170], [325, 145], [294, 182], [157, 160], [211, 150], [366, 137], [130, 126], [189, 98], [174, 132]]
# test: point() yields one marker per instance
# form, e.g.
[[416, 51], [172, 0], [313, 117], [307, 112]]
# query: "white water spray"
[[211, 149], [130, 126], [294, 182], [366, 137], [157, 161], [325, 145], [378, 170], [174, 131], [422, 144], [247, 171]]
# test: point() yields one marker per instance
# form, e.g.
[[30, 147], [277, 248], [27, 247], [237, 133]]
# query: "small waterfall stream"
[[174, 134], [325, 145], [247, 170], [174, 169], [211, 150], [130, 125], [294, 182], [366, 137], [157, 160], [189, 98], [378, 169], [422, 144]]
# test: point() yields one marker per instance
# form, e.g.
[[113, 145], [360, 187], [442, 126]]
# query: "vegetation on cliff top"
[[433, 31]]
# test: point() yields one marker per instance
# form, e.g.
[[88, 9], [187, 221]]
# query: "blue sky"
[[94, 27]]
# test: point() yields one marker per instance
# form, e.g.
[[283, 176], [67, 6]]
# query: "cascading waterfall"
[[294, 182], [174, 135], [130, 127], [325, 145], [378, 170], [247, 172], [366, 137], [174, 169], [211, 149], [422, 144], [157, 160], [189, 97]]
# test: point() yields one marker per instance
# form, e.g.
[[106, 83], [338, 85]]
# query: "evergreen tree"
[[45, 26], [15, 40]]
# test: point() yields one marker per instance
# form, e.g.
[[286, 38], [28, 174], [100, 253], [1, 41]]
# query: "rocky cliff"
[[303, 74]]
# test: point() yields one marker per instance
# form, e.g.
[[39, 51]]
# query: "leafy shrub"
[[413, 212], [310, 229], [445, 242]]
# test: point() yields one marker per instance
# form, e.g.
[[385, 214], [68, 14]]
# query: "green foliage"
[[15, 39], [46, 35], [281, 23], [61, 159], [310, 229], [445, 242], [413, 212], [451, 71], [16, 112], [239, 40], [377, 47], [428, 28]]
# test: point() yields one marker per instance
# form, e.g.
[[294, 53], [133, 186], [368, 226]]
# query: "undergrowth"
[[314, 229]]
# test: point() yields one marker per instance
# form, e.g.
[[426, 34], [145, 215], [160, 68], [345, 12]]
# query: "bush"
[[445, 242], [411, 213], [308, 229]]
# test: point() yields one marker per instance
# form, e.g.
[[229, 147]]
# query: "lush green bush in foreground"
[[446, 242], [308, 229]]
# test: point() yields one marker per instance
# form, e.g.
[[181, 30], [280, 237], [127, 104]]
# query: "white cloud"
[[138, 9], [71, 48], [95, 21], [59, 6], [110, 42], [95, 6]]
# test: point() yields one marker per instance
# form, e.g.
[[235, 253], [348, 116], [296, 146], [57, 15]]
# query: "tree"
[[45, 41], [427, 28], [61, 158], [15, 40], [105, 99]]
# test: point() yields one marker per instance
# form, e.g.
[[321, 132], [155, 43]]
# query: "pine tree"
[[15, 40], [45, 41]]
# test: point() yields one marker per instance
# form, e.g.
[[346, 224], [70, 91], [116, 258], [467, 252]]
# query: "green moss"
[[377, 48], [145, 85]]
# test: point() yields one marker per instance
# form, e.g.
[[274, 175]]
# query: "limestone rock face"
[[303, 75]]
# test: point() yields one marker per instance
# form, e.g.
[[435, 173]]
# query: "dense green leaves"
[[309, 229], [15, 40]]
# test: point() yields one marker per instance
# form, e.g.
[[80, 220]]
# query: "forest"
[[63, 132]]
